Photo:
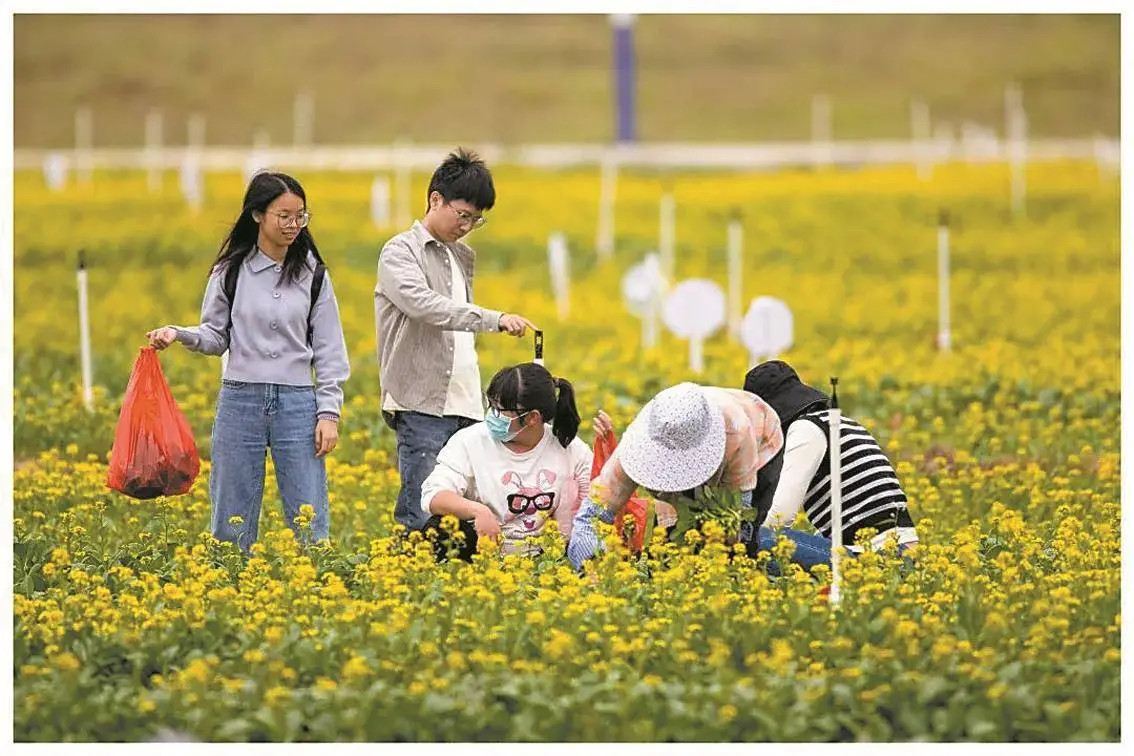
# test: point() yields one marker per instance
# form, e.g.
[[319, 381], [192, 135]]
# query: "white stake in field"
[[608, 192], [667, 234], [735, 275], [85, 333], [836, 447], [944, 332], [559, 263]]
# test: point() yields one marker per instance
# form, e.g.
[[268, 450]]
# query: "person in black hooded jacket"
[[872, 495]]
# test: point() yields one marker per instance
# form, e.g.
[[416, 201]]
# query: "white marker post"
[[608, 190], [303, 120], [735, 275], [84, 332], [257, 159], [196, 132], [153, 144], [403, 184], [920, 133], [944, 334], [380, 202], [1016, 133], [55, 171], [559, 263], [667, 212], [694, 310], [821, 129], [642, 288], [190, 181], [835, 441], [84, 143], [767, 329]]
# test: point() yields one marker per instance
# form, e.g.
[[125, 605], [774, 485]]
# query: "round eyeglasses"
[[473, 221], [287, 219]]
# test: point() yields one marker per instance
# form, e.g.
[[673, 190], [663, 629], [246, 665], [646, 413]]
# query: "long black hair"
[[529, 386], [262, 191]]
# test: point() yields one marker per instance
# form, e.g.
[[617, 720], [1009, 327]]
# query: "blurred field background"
[[530, 78]]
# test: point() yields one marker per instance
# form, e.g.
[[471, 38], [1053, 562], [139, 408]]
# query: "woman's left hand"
[[326, 437]]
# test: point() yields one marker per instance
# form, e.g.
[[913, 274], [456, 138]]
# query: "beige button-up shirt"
[[415, 316]]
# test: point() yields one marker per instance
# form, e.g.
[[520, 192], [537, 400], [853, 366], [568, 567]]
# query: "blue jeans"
[[420, 439], [810, 548], [253, 417]]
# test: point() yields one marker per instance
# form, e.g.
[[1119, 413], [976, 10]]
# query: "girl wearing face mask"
[[523, 466]]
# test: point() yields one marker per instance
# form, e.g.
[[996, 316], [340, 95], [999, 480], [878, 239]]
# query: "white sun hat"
[[676, 442]]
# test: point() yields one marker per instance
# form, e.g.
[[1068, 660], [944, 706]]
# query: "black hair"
[[262, 191], [529, 386], [463, 176]]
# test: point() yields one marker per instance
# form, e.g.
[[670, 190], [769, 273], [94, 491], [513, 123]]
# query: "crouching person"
[[872, 495], [507, 477], [685, 438]]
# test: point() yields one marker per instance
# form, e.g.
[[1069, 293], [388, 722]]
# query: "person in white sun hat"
[[685, 438]]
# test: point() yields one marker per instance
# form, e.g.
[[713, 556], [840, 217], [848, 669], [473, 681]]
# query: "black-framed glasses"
[[519, 503], [287, 219], [488, 404]]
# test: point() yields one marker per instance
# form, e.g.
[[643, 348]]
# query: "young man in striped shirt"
[[872, 496]]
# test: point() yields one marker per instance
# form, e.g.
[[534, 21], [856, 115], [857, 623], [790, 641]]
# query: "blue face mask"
[[499, 426]]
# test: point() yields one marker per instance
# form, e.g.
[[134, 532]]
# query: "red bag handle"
[[604, 448]]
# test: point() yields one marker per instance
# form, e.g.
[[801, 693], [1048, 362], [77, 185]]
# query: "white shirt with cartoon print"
[[524, 490]]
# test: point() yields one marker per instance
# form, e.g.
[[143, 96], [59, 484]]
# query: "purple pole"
[[624, 74]]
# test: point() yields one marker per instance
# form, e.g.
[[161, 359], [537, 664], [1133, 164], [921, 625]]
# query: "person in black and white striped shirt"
[[872, 495]]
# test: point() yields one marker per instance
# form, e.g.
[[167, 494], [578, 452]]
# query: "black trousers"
[[766, 483]]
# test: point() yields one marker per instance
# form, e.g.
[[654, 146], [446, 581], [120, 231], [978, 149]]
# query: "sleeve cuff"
[[186, 337], [490, 320]]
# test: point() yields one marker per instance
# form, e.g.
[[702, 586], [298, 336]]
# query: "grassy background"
[[547, 78]]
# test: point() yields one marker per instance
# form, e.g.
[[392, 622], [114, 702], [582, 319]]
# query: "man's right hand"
[[487, 524], [516, 325]]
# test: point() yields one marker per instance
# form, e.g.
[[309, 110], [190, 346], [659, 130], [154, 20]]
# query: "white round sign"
[[642, 285], [767, 327], [694, 309]]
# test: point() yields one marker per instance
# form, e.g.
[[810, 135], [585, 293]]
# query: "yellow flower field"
[[129, 618]]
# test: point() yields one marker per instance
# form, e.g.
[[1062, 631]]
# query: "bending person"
[[872, 495], [686, 437]]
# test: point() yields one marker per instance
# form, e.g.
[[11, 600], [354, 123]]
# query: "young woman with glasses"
[[269, 303]]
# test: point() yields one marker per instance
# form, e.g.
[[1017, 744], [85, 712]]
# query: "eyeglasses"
[[488, 404], [475, 221], [287, 219], [519, 503]]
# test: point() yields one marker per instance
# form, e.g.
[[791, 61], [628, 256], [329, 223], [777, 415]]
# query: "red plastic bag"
[[635, 507], [154, 452]]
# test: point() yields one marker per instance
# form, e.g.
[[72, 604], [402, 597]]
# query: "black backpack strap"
[[231, 273], [316, 287]]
